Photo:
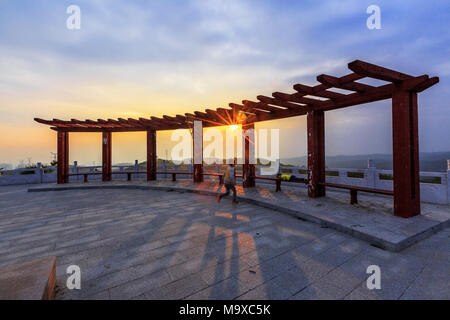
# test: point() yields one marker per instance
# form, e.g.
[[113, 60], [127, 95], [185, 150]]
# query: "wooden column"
[[63, 157], [66, 158], [106, 156], [198, 151], [248, 167], [316, 153], [405, 153], [151, 155]]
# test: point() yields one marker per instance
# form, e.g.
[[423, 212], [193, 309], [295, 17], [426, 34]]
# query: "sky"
[[149, 58]]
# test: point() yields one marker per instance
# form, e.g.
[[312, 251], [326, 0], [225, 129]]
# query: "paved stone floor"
[[371, 220], [141, 244]]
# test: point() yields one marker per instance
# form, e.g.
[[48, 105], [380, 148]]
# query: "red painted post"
[[106, 156], [316, 153], [63, 157], [198, 151], [353, 196], [405, 153], [151, 155], [66, 158], [248, 169]]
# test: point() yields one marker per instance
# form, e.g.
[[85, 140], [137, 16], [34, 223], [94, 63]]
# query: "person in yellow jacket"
[[230, 182]]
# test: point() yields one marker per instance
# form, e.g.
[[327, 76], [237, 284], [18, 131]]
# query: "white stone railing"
[[28, 175], [434, 186]]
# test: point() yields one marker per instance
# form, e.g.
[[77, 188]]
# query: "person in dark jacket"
[[230, 183]]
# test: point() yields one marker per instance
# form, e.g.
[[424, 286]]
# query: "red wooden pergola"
[[312, 101]]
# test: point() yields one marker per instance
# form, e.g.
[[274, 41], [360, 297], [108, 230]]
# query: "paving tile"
[[139, 286], [320, 291], [266, 291], [179, 289], [142, 244], [227, 289]]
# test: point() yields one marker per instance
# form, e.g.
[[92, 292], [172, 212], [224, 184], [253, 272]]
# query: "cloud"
[[142, 58]]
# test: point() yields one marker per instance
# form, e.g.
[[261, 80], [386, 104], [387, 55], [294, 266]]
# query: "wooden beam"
[[167, 125], [180, 118], [39, 120], [427, 84], [279, 102], [83, 123], [202, 115], [281, 105], [299, 98], [226, 113], [373, 71], [124, 129], [151, 124], [375, 94], [263, 106], [213, 117], [318, 91], [235, 107], [221, 120], [336, 82], [137, 123], [119, 124], [104, 123], [172, 119], [418, 84], [206, 119], [412, 83]]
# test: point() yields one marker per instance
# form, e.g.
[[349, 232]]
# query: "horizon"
[[366, 156], [134, 59]]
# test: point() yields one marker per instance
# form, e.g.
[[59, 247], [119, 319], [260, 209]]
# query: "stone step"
[[32, 280]]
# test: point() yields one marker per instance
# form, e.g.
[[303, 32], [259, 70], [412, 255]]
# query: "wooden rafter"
[[317, 91], [337, 83], [373, 71], [280, 105]]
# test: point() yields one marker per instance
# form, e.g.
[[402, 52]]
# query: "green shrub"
[[386, 176], [27, 172], [435, 180], [355, 175]]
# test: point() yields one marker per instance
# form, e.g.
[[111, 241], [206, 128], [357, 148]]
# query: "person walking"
[[230, 182]]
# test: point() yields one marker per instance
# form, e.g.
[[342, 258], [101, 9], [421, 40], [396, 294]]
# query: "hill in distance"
[[428, 161]]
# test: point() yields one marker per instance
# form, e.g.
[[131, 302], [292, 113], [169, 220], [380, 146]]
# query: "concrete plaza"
[[147, 244]]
